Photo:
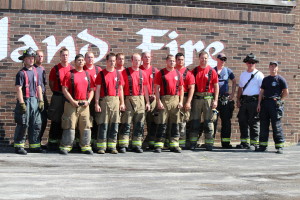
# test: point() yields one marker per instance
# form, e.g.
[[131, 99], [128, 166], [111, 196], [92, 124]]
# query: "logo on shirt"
[[95, 75], [116, 78], [86, 78], [206, 75], [274, 84], [151, 76], [176, 78]]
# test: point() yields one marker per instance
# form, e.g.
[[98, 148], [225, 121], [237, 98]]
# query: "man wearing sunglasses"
[[225, 103], [247, 99]]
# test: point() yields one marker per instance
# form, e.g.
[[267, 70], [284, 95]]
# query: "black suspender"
[[131, 84], [208, 80], [118, 82], [185, 73], [129, 81], [57, 77], [103, 83], [73, 84], [89, 84], [165, 81], [252, 76], [153, 76]]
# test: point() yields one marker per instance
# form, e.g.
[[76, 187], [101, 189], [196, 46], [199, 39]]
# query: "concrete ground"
[[221, 174]]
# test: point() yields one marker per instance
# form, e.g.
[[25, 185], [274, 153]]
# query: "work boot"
[[122, 150], [261, 149], [226, 146], [90, 152], [101, 151], [113, 151], [138, 150], [157, 150], [38, 150], [279, 150], [63, 152], [52, 146], [203, 146], [20, 150], [208, 147], [243, 146], [193, 146], [176, 150]]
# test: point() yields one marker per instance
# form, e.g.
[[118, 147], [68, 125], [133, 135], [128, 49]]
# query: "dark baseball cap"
[[221, 55], [274, 63]]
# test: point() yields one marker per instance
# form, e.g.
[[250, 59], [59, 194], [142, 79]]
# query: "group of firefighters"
[[105, 110]]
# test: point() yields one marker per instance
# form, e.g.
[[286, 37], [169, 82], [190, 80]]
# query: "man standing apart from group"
[[29, 105], [109, 101], [56, 107], [39, 58], [150, 72], [136, 94], [204, 101], [247, 100], [189, 88], [273, 91], [169, 92], [225, 103]]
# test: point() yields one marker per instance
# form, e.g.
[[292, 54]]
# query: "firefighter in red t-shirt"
[[109, 101], [93, 70], [120, 60], [189, 88], [78, 89], [151, 126], [136, 93], [56, 107], [169, 92], [204, 101]]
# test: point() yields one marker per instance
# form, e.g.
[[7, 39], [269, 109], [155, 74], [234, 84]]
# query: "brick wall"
[[270, 32]]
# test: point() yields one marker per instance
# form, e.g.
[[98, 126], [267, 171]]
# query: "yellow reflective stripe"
[[65, 148], [254, 142], [181, 141], [123, 141], [263, 143], [209, 141], [137, 143], [101, 145], [86, 148], [174, 144], [19, 145], [208, 97], [111, 145], [32, 146], [151, 142], [245, 140], [279, 144], [225, 139], [194, 139], [159, 144]]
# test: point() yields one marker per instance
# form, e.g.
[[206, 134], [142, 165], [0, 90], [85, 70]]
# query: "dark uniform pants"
[[29, 122], [151, 126], [55, 112], [44, 116], [249, 122], [271, 112], [170, 114], [135, 114], [108, 122], [225, 113]]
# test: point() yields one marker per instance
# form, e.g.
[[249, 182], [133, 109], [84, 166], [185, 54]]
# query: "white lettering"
[[29, 42], [3, 37], [148, 34], [52, 48], [102, 45], [189, 50], [173, 45], [218, 47]]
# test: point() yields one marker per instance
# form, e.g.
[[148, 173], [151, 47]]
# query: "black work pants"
[[270, 112], [249, 122]]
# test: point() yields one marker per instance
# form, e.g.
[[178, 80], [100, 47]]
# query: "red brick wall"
[[271, 34]]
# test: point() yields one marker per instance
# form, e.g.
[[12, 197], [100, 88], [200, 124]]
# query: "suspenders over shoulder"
[[165, 81], [36, 78], [73, 83], [103, 83], [131, 83], [208, 78], [185, 73]]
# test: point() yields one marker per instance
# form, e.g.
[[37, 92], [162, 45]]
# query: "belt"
[[57, 93], [202, 97]]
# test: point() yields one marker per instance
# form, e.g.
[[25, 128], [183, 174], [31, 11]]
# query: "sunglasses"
[[223, 59], [251, 62]]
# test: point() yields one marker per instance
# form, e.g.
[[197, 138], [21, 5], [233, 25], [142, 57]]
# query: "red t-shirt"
[[149, 73], [80, 84], [110, 81], [201, 79], [171, 79], [135, 76], [92, 71], [62, 72], [188, 80]]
